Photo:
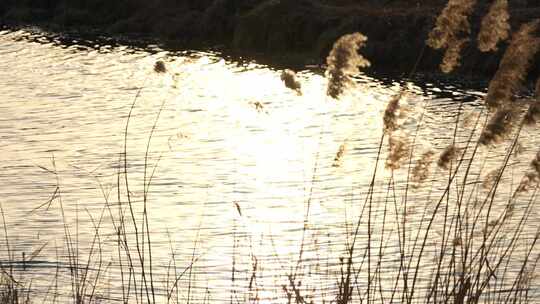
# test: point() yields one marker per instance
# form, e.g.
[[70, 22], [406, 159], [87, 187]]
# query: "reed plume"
[[514, 65], [499, 126], [537, 89], [495, 26], [390, 114], [159, 67], [533, 113], [531, 178], [344, 61], [449, 31], [420, 171], [398, 149], [535, 164], [339, 156], [491, 178], [452, 55], [449, 155], [289, 78], [452, 22]]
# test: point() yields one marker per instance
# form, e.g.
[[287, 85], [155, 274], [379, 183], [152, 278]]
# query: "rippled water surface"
[[241, 171]]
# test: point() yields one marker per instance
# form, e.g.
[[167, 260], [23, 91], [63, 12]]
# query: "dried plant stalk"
[[289, 78], [499, 126], [344, 61], [449, 155], [514, 65], [495, 26], [420, 171]]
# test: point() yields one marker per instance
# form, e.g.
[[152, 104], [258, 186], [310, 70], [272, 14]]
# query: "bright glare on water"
[[242, 175]]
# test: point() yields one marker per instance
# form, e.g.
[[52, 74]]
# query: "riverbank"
[[303, 30]]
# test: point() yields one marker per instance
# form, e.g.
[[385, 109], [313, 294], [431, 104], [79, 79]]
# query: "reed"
[[451, 30], [495, 27], [289, 79], [514, 66], [446, 243], [343, 62]]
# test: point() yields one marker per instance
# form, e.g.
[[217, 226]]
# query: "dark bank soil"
[[303, 30]]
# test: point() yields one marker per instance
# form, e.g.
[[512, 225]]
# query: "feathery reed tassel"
[[339, 156], [531, 178], [452, 55], [452, 21], [491, 178], [533, 113], [344, 61], [537, 89], [390, 114], [451, 24], [495, 26], [498, 127], [535, 164], [514, 65], [447, 156], [289, 78], [159, 67], [397, 150], [420, 171]]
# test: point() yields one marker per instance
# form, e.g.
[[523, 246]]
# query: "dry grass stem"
[[499, 126], [159, 67], [449, 155], [344, 61], [420, 171], [495, 26], [289, 78], [513, 66]]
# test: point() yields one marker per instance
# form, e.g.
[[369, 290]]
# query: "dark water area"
[[245, 177]]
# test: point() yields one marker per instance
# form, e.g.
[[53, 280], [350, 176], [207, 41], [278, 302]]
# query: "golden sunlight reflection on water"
[[241, 162]]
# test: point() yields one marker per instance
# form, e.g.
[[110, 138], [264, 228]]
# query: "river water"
[[241, 173]]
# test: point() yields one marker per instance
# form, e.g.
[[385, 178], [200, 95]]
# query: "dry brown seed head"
[[159, 67], [290, 80], [449, 155], [344, 61], [495, 26]]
